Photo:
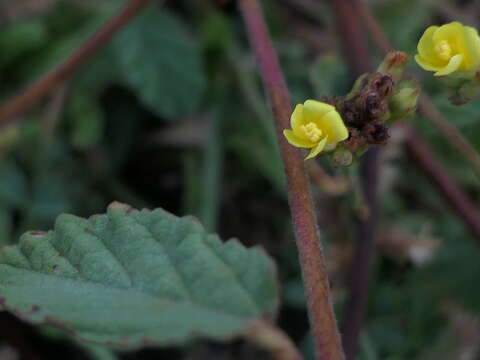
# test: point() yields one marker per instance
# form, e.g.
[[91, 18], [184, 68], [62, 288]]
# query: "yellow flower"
[[449, 48], [315, 125]]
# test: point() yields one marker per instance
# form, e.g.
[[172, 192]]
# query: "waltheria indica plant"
[[345, 127], [132, 278]]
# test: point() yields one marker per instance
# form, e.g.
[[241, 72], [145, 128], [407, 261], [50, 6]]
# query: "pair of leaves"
[[130, 278]]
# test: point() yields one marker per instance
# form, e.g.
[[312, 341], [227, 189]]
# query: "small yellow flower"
[[315, 125], [449, 48]]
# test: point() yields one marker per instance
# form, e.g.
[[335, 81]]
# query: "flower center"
[[443, 50], [313, 133]]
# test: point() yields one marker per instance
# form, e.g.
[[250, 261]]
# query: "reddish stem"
[[456, 198], [317, 289], [41, 87]]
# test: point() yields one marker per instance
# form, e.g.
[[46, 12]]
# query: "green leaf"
[[131, 278], [161, 63]]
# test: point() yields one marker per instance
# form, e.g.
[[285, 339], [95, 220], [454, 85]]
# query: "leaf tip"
[[119, 208]]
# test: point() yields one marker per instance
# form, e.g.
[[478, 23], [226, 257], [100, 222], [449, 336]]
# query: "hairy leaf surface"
[[130, 278]]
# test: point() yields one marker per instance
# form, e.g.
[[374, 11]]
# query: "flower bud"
[[467, 91], [342, 157], [373, 105], [383, 84], [394, 64], [404, 102]]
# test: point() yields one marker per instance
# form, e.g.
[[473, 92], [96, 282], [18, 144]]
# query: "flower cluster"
[[351, 124], [361, 118]]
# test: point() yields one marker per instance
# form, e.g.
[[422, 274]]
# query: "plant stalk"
[[317, 288], [36, 91]]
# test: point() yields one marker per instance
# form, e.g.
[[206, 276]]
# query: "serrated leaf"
[[130, 278], [161, 63]]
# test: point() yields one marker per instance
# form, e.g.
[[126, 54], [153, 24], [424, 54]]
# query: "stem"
[[455, 197], [53, 112], [273, 340], [356, 53], [41, 87], [364, 250], [355, 47], [335, 185], [317, 289], [212, 174], [451, 134]]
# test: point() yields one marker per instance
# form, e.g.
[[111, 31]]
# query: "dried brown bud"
[[374, 104], [376, 133], [383, 84], [351, 114], [356, 140], [394, 64]]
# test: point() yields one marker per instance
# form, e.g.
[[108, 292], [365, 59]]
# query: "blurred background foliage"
[[171, 114]]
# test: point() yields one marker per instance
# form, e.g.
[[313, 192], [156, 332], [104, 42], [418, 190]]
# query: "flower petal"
[[314, 110], [317, 149], [332, 125], [295, 141], [452, 66], [426, 49], [471, 44], [297, 120], [451, 32], [426, 65]]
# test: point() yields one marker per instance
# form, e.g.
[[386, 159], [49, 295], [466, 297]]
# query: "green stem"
[[212, 169]]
